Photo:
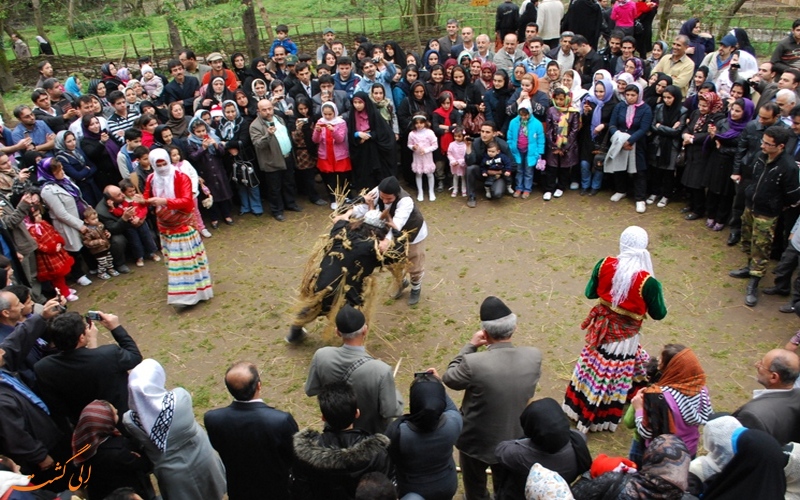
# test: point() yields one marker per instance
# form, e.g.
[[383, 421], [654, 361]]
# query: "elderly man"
[[563, 54], [679, 66], [253, 440], [274, 152], [498, 383], [775, 409], [484, 52], [509, 55], [786, 100], [372, 379]]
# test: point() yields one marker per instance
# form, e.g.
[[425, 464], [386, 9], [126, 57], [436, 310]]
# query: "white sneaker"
[[618, 196], [641, 207], [651, 199], [432, 196], [547, 196], [205, 233], [84, 281], [72, 297], [72, 291], [420, 197], [334, 205], [558, 194], [488, 193], [662, 202], [574, 185], [510, 189]]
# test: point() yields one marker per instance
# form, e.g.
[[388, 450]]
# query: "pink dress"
[[457, 153], [426, 143]]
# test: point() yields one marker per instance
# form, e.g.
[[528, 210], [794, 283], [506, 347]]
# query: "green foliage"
[[86, 29], [210, 33], [134, 22]]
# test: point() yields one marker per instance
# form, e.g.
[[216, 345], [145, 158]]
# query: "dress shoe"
[[786, 308], [124, 269], [751, 295], [279, 217], [685, 210], [294, 208], [594, 192], [774, 290], [734, 238], [692, 216], [742, 273], [214, 224], [439, 186], [471, 202], [228, 221]]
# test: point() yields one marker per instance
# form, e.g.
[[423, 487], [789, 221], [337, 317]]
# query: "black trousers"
[[622, 181], [738, 205], [281, 190], [784, 270]]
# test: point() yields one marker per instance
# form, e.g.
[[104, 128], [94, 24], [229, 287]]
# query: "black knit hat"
[[493, 308], [349, 320], [390, 185]]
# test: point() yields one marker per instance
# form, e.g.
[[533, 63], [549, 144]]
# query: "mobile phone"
[[422, 374], [93, 315]]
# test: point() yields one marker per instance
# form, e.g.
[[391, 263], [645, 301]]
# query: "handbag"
[[244, 174], [472, 124], [680, 160]]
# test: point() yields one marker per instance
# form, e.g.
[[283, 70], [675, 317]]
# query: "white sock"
[[431, 187], [419, 184]]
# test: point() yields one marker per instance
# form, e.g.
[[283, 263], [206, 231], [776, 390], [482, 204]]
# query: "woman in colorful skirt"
[[170, 191], [612, 362]]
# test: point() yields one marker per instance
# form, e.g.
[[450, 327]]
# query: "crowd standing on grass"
[[95, 170]]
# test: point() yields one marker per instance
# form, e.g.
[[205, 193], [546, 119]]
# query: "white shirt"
[[401, 214]]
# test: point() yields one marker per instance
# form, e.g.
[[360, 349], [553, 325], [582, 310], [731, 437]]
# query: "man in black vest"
[[405, 217]]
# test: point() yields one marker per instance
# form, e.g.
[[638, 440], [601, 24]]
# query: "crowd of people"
[[93, 173]]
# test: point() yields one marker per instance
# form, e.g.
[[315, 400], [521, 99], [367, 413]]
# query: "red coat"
[[51, 258]]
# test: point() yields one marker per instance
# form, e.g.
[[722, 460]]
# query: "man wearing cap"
[[372, 379], [217, 69], [497, 384], [720, 59], [405, 217], [328, 36], [355, 250]]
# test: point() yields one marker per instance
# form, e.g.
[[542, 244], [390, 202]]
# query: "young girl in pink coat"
[[422, 142], [333, 157]]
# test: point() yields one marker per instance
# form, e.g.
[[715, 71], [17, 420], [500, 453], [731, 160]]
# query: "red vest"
[[633, 305]]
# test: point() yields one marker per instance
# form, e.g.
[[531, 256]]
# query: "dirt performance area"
[[537, 256]]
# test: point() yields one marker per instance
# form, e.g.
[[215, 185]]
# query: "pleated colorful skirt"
[[189, 278]]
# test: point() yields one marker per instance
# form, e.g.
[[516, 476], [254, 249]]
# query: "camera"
[[94, 316], [376, 60]]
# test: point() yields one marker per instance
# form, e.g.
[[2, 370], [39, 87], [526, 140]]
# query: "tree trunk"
[[187, 4], [250, 29], [174, 36], [71, 16], [726, 20], [138, 8], [265, 18], [4, 111], [37, 18], [6, 78]]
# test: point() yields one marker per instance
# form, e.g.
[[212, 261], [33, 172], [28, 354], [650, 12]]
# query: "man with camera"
[[13, 231], [374, 71], [327, 93], [84, 371]]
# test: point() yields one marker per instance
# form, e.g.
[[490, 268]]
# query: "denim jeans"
[[524, 175], [589, 179], [250, 200], [140, 240]]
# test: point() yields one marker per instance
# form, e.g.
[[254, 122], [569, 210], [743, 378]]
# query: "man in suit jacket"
[[253, 439], [776, 408], [372, 379], [498, 383], [82, 371], [305, 86], [587, 61]]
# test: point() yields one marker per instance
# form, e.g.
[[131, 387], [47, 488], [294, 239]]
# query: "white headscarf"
[[633, 257], [163, 183], [717, 441], [577, 92], [152, 405]]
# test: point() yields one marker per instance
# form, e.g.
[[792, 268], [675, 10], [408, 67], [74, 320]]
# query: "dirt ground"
[[537, 256]]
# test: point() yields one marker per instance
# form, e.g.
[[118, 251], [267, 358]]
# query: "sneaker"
[[205, 233], [334, 205], [718, 226], [156, 257], [641, 207], [651, 199], [72, 297], [84, 281], [558, 194], [72, 291], [573, 186], [795, 338], [454, 194], [709, 223], [547, 196], [517, 193], [464, 193], [440, 186], [618, 196], [124, 269], [488, 193], [662, 202], [104, 276], [139, 262], [420, 197], [510, 189], [526, 195], [472, 202], [113, 272]]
